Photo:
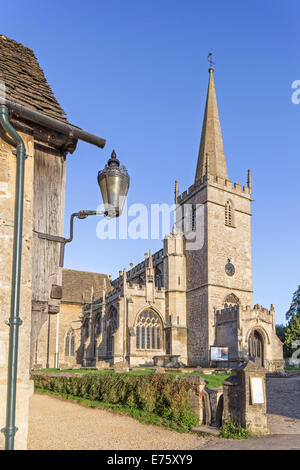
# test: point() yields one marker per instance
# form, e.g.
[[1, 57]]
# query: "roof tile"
[[25, 81]]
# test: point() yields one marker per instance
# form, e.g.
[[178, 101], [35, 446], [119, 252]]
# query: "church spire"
[[211, 143]]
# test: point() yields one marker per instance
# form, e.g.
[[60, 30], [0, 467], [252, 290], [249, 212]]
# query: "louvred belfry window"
[[229, 214]]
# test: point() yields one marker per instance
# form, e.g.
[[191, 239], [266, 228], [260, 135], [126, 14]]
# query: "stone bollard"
[[244, 398]]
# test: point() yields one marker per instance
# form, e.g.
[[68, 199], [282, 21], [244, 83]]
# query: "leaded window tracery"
[[148, 330]]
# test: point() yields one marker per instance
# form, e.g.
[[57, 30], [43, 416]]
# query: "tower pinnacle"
[[211, 142]]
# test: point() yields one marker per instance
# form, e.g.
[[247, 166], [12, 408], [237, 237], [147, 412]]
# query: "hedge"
[[163, 395]]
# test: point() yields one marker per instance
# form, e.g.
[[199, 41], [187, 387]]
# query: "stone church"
[[185, 303]]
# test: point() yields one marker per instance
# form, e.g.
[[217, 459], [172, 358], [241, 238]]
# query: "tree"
[[295, 305], [280, 331], [292, 332]]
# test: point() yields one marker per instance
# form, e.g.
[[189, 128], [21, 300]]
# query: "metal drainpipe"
[[56, 342], [14, 321]]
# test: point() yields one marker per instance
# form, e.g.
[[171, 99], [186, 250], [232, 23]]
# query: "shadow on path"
[[275, 442]]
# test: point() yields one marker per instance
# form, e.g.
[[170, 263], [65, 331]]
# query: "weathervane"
[[210, 59]]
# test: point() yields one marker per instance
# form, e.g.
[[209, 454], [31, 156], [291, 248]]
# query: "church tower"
[[216, 216]]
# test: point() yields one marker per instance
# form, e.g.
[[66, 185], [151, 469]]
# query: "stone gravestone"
[[160, 370], [102, 365], [121, 366], [244, 398]]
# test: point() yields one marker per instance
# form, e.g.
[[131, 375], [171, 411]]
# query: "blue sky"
[[135, 73]]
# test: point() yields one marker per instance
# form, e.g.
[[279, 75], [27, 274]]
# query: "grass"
[[213, 380], [230, 430], [140, 415]]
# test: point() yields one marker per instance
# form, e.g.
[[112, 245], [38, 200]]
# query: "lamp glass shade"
[[114, 184]]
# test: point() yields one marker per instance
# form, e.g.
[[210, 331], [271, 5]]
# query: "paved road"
[[283, 405], [272, 442]]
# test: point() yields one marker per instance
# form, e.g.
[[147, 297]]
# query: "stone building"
[[40, 122], [190, 296], [60, 336]]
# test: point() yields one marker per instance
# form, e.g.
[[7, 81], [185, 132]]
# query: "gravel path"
[[60, 424], [56, 424]]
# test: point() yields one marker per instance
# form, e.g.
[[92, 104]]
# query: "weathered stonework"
[[194, 296], [238, 402]]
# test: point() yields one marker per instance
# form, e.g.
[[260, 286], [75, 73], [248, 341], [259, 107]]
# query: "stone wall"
[[68, 320], [208, 284], [239, 405]]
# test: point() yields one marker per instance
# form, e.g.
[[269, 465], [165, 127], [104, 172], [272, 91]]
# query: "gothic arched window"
[[67, 345], [86, 330], [70, 343], [148, 331], [112, 326], [231, 299], [229, 214], [98, 325], [159, 279], [140, 281], [72, 351]]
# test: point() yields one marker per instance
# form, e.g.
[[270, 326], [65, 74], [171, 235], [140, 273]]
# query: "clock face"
[[229, 269]]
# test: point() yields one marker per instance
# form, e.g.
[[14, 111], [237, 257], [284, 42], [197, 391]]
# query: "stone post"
[[198, 399], [243, 403]]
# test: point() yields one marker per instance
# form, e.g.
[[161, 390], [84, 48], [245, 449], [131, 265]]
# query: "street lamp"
[[114, 182]]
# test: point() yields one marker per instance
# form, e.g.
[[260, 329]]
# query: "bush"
[[230, 430], [162, 395]]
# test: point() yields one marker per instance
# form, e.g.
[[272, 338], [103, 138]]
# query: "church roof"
[[211, 158], [77, 285], [25, 82]]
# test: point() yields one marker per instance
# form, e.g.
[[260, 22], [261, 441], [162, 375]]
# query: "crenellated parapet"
[[246, 313], [258, 313], [139, 270], [235, 188], [113, 295], [227, 314]]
